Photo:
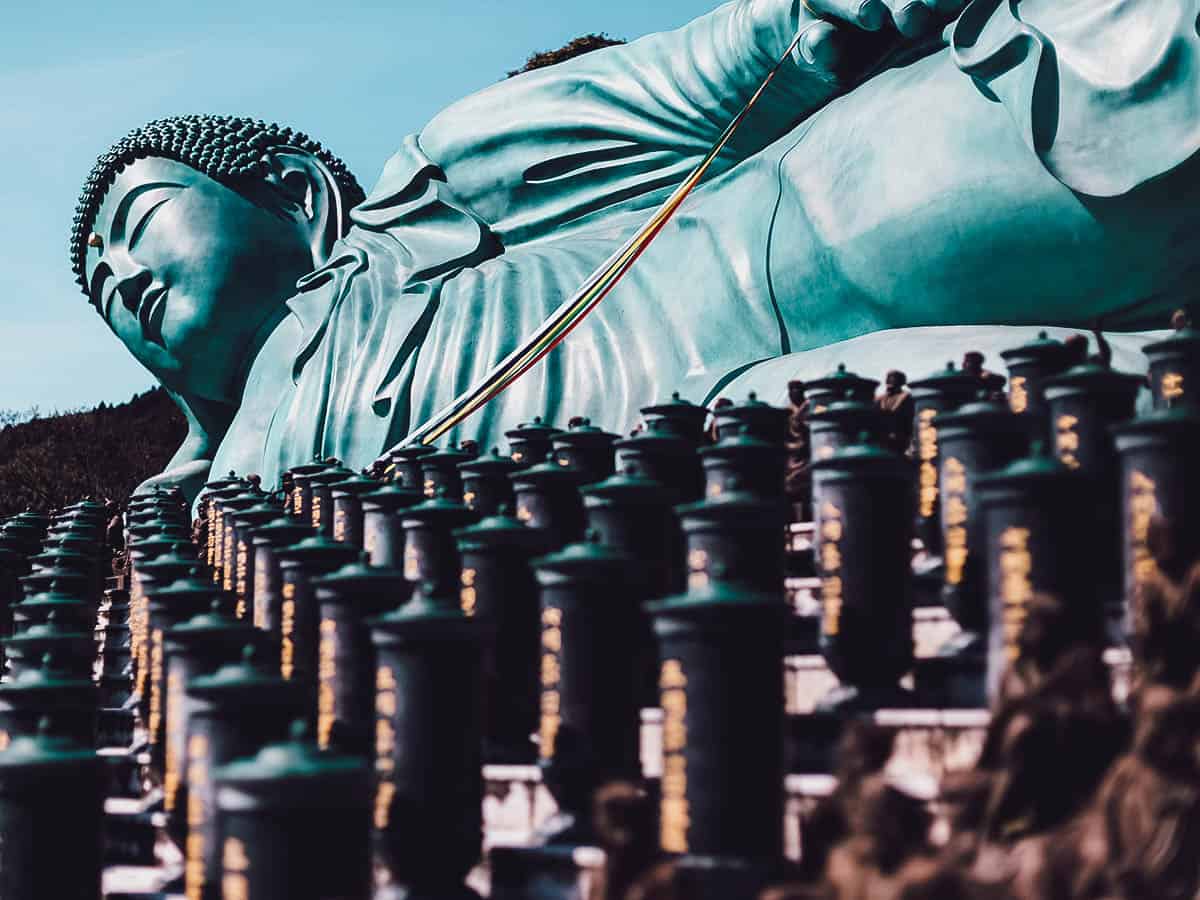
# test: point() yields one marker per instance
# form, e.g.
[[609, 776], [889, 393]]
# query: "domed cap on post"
[[677, 416], [530, 442], [193, 593], [358, 577], [247, 682], [496, 532], [957, 385], [626, 489], [296, 764], [838, 383], [354, 486], [43, 751], [438, 512], [217, 484], [316, 550], [982, 414], [49, 679], [584, 434], [493, 463], [1042, 348], [256, 515], [391, 498], [587, 560], [1092, 378], [1037, 469], [713, 595], [1181, 422], [733, 507], [862, 459], [757, 419], [282, 531]]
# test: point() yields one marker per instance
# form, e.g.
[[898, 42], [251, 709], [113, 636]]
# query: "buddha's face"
[[190, 272]]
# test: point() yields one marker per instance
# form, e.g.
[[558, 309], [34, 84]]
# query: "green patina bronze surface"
[[1036, 166]]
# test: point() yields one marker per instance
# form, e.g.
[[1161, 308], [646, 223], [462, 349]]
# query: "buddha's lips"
[[150, 313]]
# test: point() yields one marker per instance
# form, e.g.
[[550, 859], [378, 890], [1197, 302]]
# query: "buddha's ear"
[[306, 191]]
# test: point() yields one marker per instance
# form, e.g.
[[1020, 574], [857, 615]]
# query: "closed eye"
[[99, 277], [136, 234]]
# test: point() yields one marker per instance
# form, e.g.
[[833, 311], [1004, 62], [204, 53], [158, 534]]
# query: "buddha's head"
[[192, 231]]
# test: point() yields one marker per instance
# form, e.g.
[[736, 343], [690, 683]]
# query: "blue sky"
[[75, 77]]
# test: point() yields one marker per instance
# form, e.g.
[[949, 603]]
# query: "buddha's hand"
[[846, 37]]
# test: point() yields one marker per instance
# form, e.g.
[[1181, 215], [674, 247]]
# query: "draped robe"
[[1033, 170]]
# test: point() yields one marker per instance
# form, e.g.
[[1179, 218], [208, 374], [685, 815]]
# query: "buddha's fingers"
[[826, 46], [914, 18], [869, 15]]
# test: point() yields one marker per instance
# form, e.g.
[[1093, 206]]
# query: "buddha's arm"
[[713, 66]]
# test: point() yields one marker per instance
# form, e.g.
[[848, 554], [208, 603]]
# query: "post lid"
[[392, 497], [1039, 466], [411, 452], [1093, 376], [532, 431], [360, 575], [734, 504], [841, 379], [545, 475], [1186, 339], [628, 487], [493, 463], [281, 531], [49, 677], [318, 549], [740, 444], [354, 486], [294, 760], [216, 622], [249, 678], [46, 750], [584, 434], [500, 530], [585, 557], [439, 510], [715, 593], [676, 408], [1042, 347]]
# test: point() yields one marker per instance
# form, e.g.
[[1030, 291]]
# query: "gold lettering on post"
[[339, 525], [1143, 505], [954, 493], [412, 562], [316, 510], [676, 817], [1018, 394], [174, 723], [927, 452], [1016, 588], [154, 719], [287, 626], [326, 676], [1172, 386], [551, 699], [467, 594], [234, 864], [1066, 440], [385, 744], [829, 554], [197, 775]]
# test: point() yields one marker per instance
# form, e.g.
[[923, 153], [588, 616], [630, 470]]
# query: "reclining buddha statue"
[[912, 165]]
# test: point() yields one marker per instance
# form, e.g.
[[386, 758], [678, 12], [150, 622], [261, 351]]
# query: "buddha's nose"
[[132, 286]]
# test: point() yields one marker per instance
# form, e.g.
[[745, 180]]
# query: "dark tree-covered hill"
[[577, 47], [103, 452]]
